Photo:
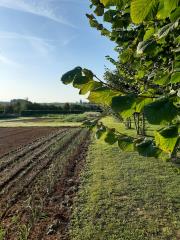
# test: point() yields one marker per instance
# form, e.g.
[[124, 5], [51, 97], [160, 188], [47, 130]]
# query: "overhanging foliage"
[[146, 33]]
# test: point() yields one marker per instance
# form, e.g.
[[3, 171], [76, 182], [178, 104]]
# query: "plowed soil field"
[[38, 180], [13, 137]]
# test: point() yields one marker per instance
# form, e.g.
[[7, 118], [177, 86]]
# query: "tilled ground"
[[11, 138], [33, 177]]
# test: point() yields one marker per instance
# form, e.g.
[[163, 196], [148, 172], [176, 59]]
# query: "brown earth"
[[29, 202], [11, 138]]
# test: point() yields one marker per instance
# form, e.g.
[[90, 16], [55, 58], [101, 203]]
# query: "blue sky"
[[42, 39]]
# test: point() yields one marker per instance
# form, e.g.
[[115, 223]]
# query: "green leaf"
[[161, 111], [99, 11], [124, 105], [175, 15], [105, 32], [102, 95], [175, 77], [140, 74], [79, 81], [147, 148], [141, 103], [111, 137], [164, 31], [126, 144], [167, 138], [162, 79], [90, 124], [100, 132], [94, 23], [166, 7], [95, 2], [68, 77], [90, 86], [140, 9], [108, 3], [88, 73], [142, 46], [149, 33], [126, 55], [109, 15]]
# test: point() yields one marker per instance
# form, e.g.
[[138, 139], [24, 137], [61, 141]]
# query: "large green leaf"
[[160, 111], [111, 137], [166, 7], [167, 138], [175, 77], [164, 31], [149, 33], [88, 73], [175, 15], [141, 103], [140, 9], [102, 95], [126, 144], [147, 148], [79, 81], [124, 105], [90, 86], [68, 77]]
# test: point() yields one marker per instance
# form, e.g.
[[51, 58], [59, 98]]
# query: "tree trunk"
[[128, 123], [143, 125]]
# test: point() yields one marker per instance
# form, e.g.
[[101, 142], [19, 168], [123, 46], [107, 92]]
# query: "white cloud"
[[41, 8], [7, 61], [68, 41], [40, 45]]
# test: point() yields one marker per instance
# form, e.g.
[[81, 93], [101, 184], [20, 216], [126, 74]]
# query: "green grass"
[[50, 120], [119, 126], [126, 197]]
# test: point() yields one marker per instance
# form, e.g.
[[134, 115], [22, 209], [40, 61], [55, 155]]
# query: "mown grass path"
[[124, 196]]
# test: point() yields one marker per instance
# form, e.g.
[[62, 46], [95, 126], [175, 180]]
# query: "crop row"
[[27, 167]]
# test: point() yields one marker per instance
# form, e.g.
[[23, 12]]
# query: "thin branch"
[[116, 89]]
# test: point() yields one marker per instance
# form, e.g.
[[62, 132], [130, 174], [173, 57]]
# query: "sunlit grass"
[[119, 126], [126, 197]]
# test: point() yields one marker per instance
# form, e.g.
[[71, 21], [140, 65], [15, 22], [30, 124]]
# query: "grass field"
[[50, 120], [126, 197], [119, 126]]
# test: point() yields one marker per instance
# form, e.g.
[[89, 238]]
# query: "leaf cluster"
[[147, 77]]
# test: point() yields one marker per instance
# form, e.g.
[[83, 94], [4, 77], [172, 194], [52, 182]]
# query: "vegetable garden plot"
[[11, 138], [31, 172]]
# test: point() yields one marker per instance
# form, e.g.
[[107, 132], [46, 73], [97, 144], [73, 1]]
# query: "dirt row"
[[25, 167], [13, 156], [58, 205], [32, 183], [11, 138]]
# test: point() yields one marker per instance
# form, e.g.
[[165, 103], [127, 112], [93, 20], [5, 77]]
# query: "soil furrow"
[[25, 170], [25, 161], [8, 200], [14, 133], [11, 143], [23, 151], [56, 225]]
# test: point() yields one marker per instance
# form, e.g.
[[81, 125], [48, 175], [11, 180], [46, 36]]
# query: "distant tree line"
[[21, 107]]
